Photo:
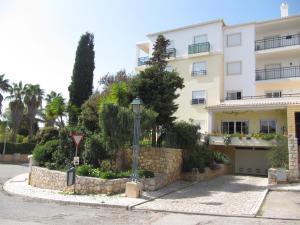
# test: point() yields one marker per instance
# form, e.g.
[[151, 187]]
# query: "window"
[[273, 94], [198, 97], [234, 68], [200, 38], [233, 95], [267, 126], [232, 127], [233, 39], [169, 68], [199, 68]]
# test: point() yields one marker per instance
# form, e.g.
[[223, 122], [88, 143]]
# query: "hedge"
[[22, 148]]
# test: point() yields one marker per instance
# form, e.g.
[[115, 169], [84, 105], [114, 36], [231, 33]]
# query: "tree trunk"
[[154, 136], [120, 160]]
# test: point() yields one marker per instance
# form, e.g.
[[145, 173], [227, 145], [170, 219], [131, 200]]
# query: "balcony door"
[[273, 71]]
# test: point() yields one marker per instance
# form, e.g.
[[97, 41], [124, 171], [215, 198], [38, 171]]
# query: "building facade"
[[239, 79]]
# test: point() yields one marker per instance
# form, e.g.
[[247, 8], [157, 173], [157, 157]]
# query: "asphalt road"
[[15, 210]]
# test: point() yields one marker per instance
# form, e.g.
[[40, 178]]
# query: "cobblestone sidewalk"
[[19, 186]]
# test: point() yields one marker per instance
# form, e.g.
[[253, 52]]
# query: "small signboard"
[[77, 138], [76, 160], [71, 176]]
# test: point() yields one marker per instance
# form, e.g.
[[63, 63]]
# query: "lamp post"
[[137, 106]]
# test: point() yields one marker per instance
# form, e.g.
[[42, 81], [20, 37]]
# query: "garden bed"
[[208, 174], [56, 180]]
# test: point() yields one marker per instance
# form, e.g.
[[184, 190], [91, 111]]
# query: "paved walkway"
[[226, 195]]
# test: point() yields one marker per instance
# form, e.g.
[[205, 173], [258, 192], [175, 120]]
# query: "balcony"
[[143, 60], [171, 52], [199, 48], [244, 141], [198, 101], [277, 42], [199, 72], [278, 73]]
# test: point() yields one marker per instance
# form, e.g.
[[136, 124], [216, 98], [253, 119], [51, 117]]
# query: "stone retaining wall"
[[14, 157], [56, 180], [164, 162], [208, 173]]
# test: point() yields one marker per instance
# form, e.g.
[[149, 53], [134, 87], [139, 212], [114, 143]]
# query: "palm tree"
[[16, 107], [33, 100], [4, 87], [48, 117], [51, 96]]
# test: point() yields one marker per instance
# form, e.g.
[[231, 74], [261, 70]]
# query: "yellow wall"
[[286, 86], [291, 109], [253, 117], [212, 83]]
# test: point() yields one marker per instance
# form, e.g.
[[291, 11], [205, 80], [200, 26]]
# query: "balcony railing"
[[171, 52], [199, 72], [199, 47], [197, 101], [293, 95], [142, 60], [278, 73], [277, 42]]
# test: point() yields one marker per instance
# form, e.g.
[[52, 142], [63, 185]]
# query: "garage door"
[[251, 161]]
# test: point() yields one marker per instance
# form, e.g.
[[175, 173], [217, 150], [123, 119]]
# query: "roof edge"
[[187, 27]]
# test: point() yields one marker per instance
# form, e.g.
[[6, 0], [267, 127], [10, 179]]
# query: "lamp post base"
[[133, 189]]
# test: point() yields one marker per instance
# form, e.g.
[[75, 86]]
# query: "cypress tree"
[[81, 86]]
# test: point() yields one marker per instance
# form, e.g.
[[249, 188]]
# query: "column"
[[293, 159]]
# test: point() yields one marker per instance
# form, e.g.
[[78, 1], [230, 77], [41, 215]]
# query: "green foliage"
[[94, 151], [33, 100], [43, 153], [84, 170], [278, 155], [158, 87], [106, 165], [109, 79], [89, 117], [187, 134], [22, 148], [88, 170], [4, 87], [264, 136], [220, 157], [118, 94], [47, 134], [116, 123], [56, 109], [198, 158], [145, 173], [81, 86]]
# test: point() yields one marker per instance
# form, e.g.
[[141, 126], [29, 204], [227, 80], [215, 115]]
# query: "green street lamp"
[[137, 107]]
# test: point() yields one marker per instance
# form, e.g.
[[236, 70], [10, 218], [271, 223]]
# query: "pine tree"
[[81, 86], [157, 87]]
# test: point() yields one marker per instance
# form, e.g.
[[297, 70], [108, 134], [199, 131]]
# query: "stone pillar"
[[293, 159]]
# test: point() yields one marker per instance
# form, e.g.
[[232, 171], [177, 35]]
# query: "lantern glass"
[[137, 105]]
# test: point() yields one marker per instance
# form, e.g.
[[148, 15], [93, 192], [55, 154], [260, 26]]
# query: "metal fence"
[[277, 42], [199, 47], [278, 73]]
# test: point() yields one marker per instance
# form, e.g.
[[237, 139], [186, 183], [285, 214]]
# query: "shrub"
[[21, 148], [94, 151], [278, 155], [47, 134], [220, 157], [187, 135], [84, 170], [145, 174], [43, 153], [106, 165]]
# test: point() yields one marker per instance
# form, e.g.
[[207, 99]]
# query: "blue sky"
[[39, 37]]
